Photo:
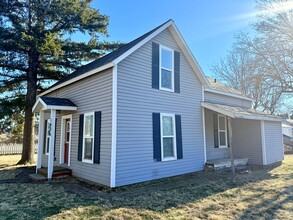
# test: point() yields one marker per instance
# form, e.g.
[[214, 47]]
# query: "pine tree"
[[36, 47]]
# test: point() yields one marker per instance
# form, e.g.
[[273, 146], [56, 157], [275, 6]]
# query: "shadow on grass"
[[154, 196]]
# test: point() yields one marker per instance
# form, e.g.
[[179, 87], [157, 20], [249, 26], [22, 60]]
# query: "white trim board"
[[114, 127], [263, 143], [61, 159]]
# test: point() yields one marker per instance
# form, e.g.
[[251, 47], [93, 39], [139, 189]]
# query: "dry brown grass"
[[259, 194], [6, 160]]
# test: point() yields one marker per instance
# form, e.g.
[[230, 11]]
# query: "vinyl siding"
[[212, 152], [137, 100], [226, 100], [273, 142], [247, 142], [90, 94]]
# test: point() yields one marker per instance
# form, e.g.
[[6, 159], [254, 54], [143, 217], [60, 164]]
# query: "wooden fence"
[[6, 149]]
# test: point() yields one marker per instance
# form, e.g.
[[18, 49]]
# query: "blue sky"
[[208, 26]]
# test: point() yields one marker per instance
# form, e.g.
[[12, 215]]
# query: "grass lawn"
[[258, 194]]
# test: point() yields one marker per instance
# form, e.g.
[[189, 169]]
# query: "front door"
[[66, 139]]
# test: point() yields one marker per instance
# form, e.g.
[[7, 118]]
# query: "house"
[[146, 111], [287, 130]]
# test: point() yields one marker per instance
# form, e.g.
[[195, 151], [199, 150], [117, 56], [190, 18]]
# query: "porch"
[[234, 136], [47, 135]]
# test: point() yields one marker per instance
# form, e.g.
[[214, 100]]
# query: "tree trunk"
[[28, 133]]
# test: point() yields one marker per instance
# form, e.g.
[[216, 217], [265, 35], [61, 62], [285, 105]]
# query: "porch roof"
[[240, 113], [46, 103]]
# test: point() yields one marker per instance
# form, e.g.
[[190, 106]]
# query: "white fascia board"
[[99, 69], [60, 107], [189, 55], [229, 94], [219, 110], [39, 101], [141, 43]]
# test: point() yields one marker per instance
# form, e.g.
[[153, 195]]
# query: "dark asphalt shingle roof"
[[107, 58], [57, 101]]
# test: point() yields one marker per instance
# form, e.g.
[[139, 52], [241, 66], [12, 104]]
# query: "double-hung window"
[[166, 69], [48, 135], [222, 131], [168, 137], [88, 138]]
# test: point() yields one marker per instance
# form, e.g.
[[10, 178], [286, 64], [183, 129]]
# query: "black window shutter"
[[45, 139], [97, 137], [157, 136], [178, 136], [177, 71], [80, 138], [216, 138], [155, 65]]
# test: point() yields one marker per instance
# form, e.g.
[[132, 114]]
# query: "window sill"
[[169, 159], [88, 161], [167, 90], [223, 146]]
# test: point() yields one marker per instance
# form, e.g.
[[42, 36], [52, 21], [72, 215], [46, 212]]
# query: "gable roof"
[[122, 52], [220, 88], [53, 103]]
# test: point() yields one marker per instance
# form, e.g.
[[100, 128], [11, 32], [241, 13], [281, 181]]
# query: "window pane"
[[49, 128], [67, 136], [48, 144], [166, 79], [222, 138], [89, 125], [222, 123], [168, 147], [167, 126], [88, 146], [166, 59]]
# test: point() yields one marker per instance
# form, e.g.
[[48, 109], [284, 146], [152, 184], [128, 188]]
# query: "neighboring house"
[[147, 111], [287, 129]]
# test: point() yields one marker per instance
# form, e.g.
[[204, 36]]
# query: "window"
[[222, 131], [88, 138], [67, 131], [48, 135], [166, 69], [168, 137]]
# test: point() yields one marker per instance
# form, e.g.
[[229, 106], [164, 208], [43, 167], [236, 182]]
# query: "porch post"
[[231, 147], [40, 140], [51, 145]]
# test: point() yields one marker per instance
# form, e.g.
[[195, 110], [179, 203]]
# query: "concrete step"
[[37, 177]]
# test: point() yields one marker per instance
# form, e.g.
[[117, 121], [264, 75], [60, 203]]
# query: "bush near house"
[[259, 194]]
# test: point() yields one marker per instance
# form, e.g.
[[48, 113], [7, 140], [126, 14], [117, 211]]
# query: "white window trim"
[[172, 70], [47, 136], [62, 138], [219, 130], [83, 138], [174, 137]]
